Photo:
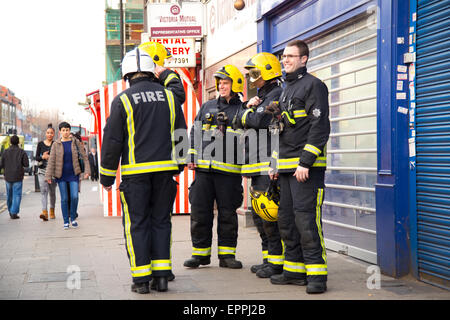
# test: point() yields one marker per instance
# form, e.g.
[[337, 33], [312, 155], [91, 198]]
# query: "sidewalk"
[[35, 257]]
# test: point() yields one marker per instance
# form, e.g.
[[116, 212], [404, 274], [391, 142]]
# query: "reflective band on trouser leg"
[[316, 269], [226, 251], [141, 271], [276, 259], [296, 269], [202, 252], [265, 254], [161, 265]]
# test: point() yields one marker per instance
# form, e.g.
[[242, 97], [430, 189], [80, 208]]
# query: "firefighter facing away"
[[301, 165], [265, 73], [217, 173], [140, 132], [169, 79]]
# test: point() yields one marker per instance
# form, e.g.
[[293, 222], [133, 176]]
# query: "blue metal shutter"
[[433, 141]]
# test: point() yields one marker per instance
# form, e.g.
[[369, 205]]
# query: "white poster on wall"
[[228, 30]]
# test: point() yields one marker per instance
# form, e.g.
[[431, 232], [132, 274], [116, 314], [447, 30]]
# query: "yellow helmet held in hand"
[[157, 51], [232, 73], [266, 203], [264, 65]]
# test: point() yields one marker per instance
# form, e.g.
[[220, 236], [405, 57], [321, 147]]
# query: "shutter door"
[[433, 141]]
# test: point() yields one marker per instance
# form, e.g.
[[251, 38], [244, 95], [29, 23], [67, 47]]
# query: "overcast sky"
[[52, 52]]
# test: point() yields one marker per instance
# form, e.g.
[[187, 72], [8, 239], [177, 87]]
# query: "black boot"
[[195, 262], [160, 284], [316, 287], [140, 288], [267, 271], [171, 276], [282, 279], [231, 263]]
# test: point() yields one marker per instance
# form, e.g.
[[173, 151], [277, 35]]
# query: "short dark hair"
[[14, 140], [64, 125], [303, 49]]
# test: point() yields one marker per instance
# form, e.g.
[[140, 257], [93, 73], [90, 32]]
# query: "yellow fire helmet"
[[232, 73], [264, 65], [266, 203], [157, 51]]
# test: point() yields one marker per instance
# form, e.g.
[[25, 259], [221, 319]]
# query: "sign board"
[[173, 20], [182, 49]]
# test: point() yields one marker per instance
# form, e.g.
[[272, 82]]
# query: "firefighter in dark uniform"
[[265, 72], [169, 79], [214, 156], [140, 132], [301, 165]]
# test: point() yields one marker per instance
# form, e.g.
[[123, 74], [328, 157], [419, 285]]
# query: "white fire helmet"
[[137, 61]]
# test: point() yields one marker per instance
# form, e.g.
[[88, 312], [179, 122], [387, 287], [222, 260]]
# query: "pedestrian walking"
[[66, 162], [93, 163], [265, 73], [217, 173], [301, 165], [13, 162], [47, 190], [140, 132]]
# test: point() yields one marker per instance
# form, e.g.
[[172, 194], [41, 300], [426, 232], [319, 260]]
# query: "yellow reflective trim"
[[172, 120], [226, 250], [316, 269], [154, 166], [227, 167], [161, 265], [170, 77], [201, 251], [292, 163], [127, 227], [265, 254], [318, 222], [299, 113], [312, 149], [292, 121], [141, 271], [244, 116], [298, 267], [130, 127], [192, 151], [107, 172]]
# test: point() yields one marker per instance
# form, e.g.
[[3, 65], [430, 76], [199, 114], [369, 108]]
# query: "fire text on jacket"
[[148, 96]]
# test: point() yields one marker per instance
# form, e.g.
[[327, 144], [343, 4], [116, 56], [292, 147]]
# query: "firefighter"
[[301, 165], [140, 132], [168, 78], [214, 156], [265, 73]]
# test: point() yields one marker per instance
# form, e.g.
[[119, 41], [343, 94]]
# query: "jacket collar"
[[297, 74], [267, 87], [234, 100]]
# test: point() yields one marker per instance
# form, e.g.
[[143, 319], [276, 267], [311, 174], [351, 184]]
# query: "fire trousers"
[[147, 201], [226, 190], [300, 224], [272, 247]]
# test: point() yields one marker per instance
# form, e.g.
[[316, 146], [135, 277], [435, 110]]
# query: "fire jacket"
[[304, 138], [140, 131], [258, 147], [171, 81], [210, 149]]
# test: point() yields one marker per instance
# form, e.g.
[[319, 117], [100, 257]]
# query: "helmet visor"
[[255, 74]]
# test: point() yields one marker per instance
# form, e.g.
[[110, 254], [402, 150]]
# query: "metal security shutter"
[[433, 141]]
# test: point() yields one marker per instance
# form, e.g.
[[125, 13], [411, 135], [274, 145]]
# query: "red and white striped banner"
[[111, 200]]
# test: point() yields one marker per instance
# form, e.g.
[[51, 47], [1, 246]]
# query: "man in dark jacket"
[[301, 165], [93, 162], [13, 161], [140, 134]]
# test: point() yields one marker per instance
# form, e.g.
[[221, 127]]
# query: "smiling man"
[[301, 165], [217, 173]]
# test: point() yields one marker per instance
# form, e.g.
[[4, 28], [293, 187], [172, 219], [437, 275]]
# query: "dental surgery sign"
[[181, 20], [182, 49]]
